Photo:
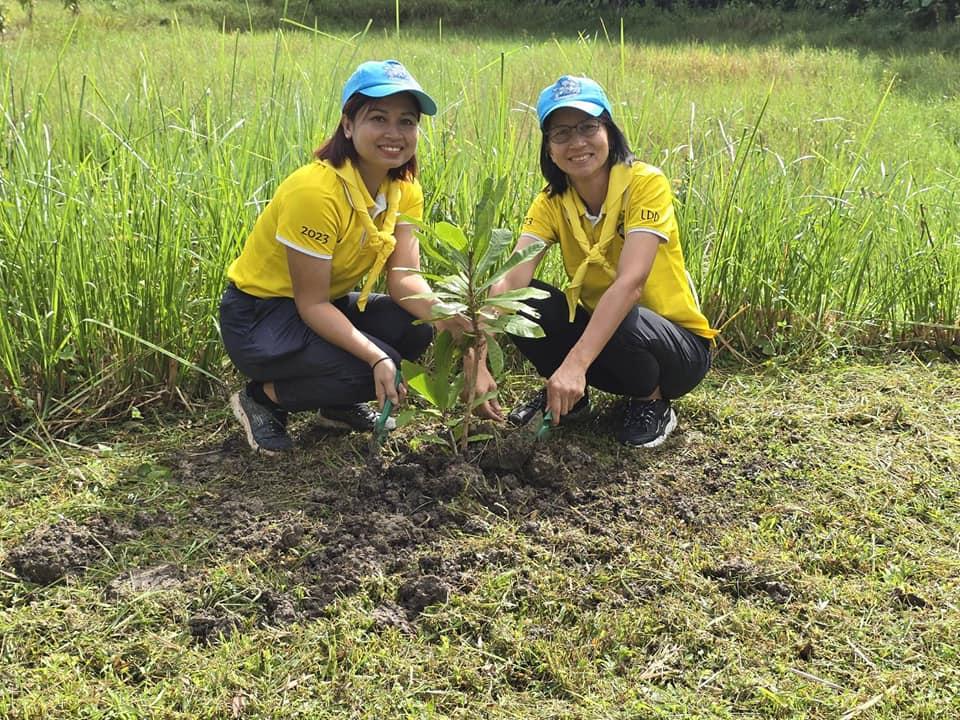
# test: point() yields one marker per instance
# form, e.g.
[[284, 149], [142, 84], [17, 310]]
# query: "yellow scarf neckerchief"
[[617, 187], [383, 240]]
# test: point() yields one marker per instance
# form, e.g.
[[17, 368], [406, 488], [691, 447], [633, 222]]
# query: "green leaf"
[[429, 296], [490, 198], [456, 284], [522, 327], [495, 356], [524, 293], [442, 260], [418, 380], [442, 382], [443, 310], [511, 306], [405, 417], [500, 241], [451, 235], [531, 251]]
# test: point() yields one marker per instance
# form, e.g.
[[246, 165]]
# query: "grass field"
[[791, 552], [817, 189]]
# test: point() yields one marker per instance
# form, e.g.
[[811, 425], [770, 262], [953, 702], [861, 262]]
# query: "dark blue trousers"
[[268, 342], [646, 351]]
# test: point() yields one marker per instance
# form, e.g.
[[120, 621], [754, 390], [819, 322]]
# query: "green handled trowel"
[[380, 431]]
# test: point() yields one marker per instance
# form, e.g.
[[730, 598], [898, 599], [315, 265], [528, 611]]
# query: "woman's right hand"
[[385, 382]]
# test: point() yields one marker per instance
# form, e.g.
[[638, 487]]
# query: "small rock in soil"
[[907, 599], [207, 627], [278, 608], [418, 593], [391, 615]]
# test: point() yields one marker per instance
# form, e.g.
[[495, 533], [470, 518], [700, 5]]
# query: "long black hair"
[[557, 182]]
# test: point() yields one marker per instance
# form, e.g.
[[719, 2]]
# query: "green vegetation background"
[[792, 553], [816, 184]]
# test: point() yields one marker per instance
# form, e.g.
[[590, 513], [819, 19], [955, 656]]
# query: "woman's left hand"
[[483, 385], [564, 388]]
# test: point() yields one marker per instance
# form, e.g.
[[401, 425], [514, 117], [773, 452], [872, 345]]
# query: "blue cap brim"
[[588, 107], [427, 105]]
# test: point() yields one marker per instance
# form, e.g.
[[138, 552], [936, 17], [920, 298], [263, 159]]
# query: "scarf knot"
[[381, 240], [596, 254]]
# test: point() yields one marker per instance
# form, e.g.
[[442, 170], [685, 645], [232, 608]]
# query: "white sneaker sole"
[[662, 437], [241, 417]]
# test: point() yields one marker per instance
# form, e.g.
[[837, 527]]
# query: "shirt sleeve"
[[541, 219], [411, 201], [309, 220], [651, 206]]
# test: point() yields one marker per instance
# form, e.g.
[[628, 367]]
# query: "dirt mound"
[[50, 553], [330, 533]]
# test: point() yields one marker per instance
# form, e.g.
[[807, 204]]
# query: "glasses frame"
[[584, 128]]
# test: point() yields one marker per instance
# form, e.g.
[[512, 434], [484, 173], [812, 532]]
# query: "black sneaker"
[[647, 423], [266, 431], [523, 414], [360, 417]]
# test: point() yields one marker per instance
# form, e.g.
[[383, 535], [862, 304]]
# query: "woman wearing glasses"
[[628, 322]]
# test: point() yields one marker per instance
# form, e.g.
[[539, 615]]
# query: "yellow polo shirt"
[[648, 206], [311, 213]]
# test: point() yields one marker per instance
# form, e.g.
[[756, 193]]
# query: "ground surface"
[[792, 551]]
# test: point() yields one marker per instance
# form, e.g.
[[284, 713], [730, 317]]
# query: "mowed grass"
[[817, 189], [790, 553]]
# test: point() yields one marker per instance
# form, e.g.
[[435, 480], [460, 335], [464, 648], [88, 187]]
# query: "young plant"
[[462, 271]]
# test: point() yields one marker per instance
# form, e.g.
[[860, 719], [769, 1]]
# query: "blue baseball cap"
[[581, 93], [379, 78]]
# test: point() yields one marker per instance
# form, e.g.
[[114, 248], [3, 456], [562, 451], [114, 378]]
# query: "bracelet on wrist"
[[385, 357]]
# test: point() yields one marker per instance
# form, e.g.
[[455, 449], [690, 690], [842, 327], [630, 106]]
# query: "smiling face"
[[580, 158], [384, 133]]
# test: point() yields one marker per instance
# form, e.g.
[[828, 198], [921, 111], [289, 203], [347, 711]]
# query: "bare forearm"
[[613, 307], [334, 327], [407, 284]]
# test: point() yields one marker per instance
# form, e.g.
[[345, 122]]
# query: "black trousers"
[[645, 351], [268, 342]]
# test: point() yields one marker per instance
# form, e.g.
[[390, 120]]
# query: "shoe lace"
[[272, 424], [642, 412]]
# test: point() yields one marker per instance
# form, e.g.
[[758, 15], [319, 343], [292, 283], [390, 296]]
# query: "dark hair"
[[339, 148], [556, 178]]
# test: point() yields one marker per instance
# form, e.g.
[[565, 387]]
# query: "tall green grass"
[[817, 190]]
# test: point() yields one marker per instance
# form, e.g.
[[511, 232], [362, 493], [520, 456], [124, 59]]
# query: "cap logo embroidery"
[[566, 87], [395, 71]]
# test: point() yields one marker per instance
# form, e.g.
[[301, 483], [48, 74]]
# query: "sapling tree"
[[462, 271]]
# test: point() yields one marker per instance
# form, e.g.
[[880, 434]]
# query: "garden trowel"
[[380, 431]]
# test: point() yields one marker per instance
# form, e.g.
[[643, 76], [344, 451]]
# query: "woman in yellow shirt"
[[628, 322], [290, 318]]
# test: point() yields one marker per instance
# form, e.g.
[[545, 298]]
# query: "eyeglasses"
[[560, 134]]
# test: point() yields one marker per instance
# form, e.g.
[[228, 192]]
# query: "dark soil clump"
[[65, 548], [331, 533], [739, 578]]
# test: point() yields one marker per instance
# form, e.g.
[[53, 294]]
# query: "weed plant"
[[817, 190]]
